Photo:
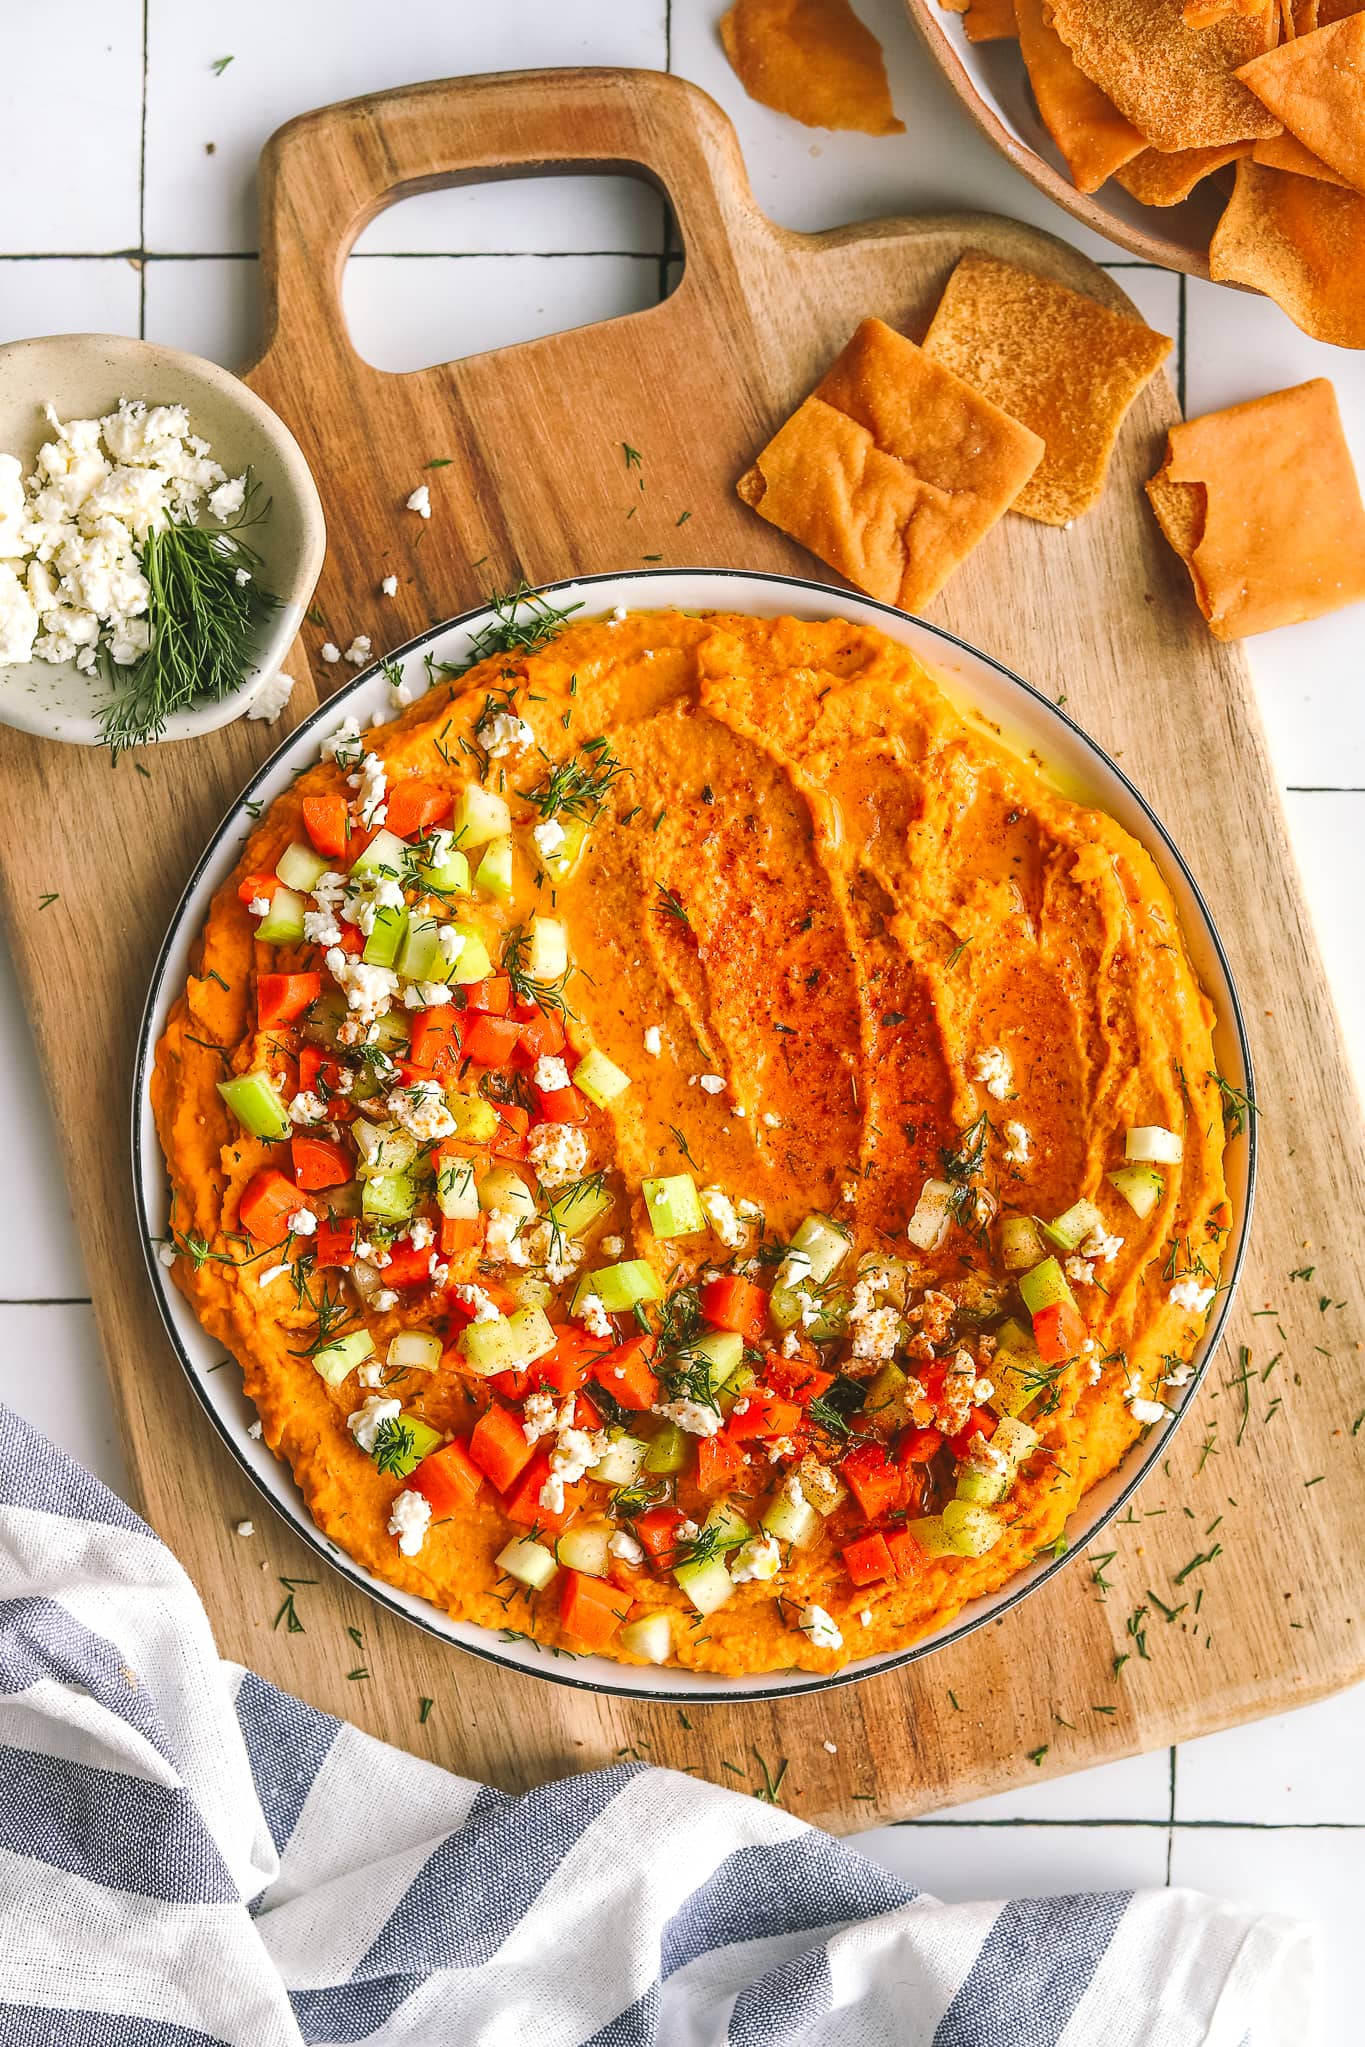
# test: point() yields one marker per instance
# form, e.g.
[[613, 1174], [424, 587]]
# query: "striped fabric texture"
[[190, 1858]]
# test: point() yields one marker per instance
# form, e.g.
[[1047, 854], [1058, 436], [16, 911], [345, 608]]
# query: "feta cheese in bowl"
[[104, 440]]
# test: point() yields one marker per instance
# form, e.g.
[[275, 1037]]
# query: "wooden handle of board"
[[325, 175]]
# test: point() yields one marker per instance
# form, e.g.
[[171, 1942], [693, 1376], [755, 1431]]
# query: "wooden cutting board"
[[536, 486]]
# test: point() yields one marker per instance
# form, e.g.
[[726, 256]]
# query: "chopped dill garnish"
[[1237, 1106], [669, 904], [578, 786], [548, 994], [522, 623], [394, 1444]]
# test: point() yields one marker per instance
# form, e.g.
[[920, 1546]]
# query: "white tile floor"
[[149, 226]]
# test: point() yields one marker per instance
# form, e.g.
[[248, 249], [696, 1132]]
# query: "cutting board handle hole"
[[483, 265]]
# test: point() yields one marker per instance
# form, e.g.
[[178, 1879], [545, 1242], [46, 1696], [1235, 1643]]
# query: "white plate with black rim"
[[1029, 722]]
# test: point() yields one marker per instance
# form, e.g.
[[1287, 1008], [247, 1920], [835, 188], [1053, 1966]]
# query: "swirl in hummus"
[[734, 1162]]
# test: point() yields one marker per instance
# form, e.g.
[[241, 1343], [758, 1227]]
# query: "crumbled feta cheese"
[[409, 1520], [385, 1299], [422, 1233], [791, 1344], [720, 1213], [245, 1528], [654, 1043], [1101, 1247], [389, 586], [1081, 1270], [259, 906], [875, 1331], [994, 1072], [273, 1273], [420, 501], [256, 1431], [302, 1222], [626, 1547], [594, 1317], [1018, 1144], [271, 697], [1180, 1375], [713, 1083], [478, 1302], [549, 836], [367, 1421], [422, 1110], [330, 651], [450, 943], [757, 1560], [358, 653], [818, 1625], [320, 927], [502, 732], [551, 1495], [575, 1452], [558, 1151], [772, 1120], [166, 1255], [228, 499], [1188, 1293], [502, 1238], [612, 1247], [343, 746], [1148, 1412], [307, 1108], [831, 1748], [550, 1075], [368, 990], [691, 1416], [537, 1416], [371, 783]]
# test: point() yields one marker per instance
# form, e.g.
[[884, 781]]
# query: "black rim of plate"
[[712, 1688]]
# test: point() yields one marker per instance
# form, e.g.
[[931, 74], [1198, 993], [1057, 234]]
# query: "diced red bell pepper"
[[449, 1479], [462, 1311], [522, 1502], [562, 1104], [656, 1531], [510, 1142], [282, 998], [491, 997], [258, 885], [352, 939], [933, 1379], [766, 1414], [512, 1385], [1059, 1331], [868, 1559], [591, 1609], [542, 1037], [319, 1163], [872, 1478], [980, 1422], [499, 1446], [565, 1368], [734, 1303], [435, 1040], [491, 1040], [455, 1233], [413, 806], [797, 1380], [627, 1374], [325, 819], [720, 1462], [319, 1073], [907, 1558], [407, 1266], [334, 1241], [268, 1201], [918, 1446]]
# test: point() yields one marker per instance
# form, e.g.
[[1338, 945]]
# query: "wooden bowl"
[[990, 81]]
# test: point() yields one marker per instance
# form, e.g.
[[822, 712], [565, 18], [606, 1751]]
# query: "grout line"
[[142, 183], [1151, 1826], [1181, 340], [668, 35], [46, 1301], [1323, 789], [137, 255], [1170, 1830]]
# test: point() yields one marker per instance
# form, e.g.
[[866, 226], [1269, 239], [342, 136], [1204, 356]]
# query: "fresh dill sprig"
[[204, 624], [578, 786], [522, 623], [1238, 1107], [548, 994], [394, 1443], [669, 904]]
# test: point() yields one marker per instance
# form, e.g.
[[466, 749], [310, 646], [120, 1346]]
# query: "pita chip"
[[1316, 86], [1167, 177], [813, 60], [990, 21], [1262, 504], [1088, 128], [892, 470], [1286, 153], [1175, 84], [1301, 242]]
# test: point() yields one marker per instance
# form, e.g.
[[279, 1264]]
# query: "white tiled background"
[[139, 217]]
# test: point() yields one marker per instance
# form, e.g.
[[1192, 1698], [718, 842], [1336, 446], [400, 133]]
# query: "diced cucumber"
[[507, 1345], [300, 867], [707, 1584], [1021, 1243], [623, 1462], [257, 1104], [982, 1488], [1015, 1440], [674, 1206], [480, 815], [533, 1333], [385, 854], [667, 1451], [723, 1352], [390, 1197], [618, 1287], [1070, 1229], [503, 1188], [650, 1638], [600, 1080], [970, 1530], [1017, 1371], [792, 1521], [825, 1244], [425, 1439], [788, 1301], [1044, 1287], [547, 949], [931, 1535], [472, 962], [391, 1032], [560, 864], [476, 1121], [732, 1526], [528, 1291], [414, 1350], [385, 940], [494, 872], [584, 1547], [577, 1207], [1149, 1145], [383, 1147], [928, 1226], [1141, 1187], [530, 1563], [885, 1404], [457, 1193], [420, 957], [448, 876], [338, 1359], [283, 922]]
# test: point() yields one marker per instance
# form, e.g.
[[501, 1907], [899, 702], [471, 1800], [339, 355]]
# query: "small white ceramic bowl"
[[83, 376]]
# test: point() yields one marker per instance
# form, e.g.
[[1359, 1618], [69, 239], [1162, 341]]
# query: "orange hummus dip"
[[701, 1153]]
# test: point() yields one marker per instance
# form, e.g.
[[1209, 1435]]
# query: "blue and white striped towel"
[[189, 1857]]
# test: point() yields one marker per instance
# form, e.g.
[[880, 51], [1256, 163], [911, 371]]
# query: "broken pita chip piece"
[[1203, 13], [813, 60], [1175, 84], [1167, 177], [1064, 364], [1286, 153], [989, 21], [1088, 128], [1316, 86], [1302, 243], [1262, 504], [892, 470]]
